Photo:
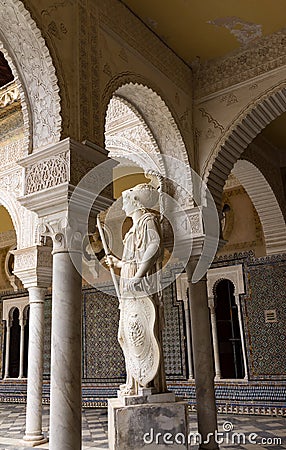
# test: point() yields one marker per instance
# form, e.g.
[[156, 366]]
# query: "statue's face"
[[127, 206]]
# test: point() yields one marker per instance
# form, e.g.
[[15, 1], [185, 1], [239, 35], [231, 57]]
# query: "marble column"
[[215, 338], [188, 337], [203, 359], [33, 433], [7, 352], [22, 337], [241, 335], [66, 354]]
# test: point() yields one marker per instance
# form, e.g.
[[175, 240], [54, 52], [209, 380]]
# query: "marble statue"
[[141, 308]]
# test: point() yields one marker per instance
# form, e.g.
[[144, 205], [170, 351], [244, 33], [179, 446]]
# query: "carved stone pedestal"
[[151, 422]]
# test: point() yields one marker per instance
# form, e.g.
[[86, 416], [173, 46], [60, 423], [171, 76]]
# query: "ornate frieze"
[[47, 173], [265, 54], [33, 266], [60, 164]]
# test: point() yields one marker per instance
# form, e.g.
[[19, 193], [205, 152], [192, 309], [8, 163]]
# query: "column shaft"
[[203, 360], [215, 339], [65, 410], [241, 336], [188, 338], [33, 432], [7, 354], [21, 365]]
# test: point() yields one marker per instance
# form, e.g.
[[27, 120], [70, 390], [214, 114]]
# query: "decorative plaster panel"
[[232, 273], [39, 94], [266, 54]]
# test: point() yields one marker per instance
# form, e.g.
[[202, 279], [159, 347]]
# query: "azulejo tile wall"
[[267, 340], [265, 281], [102, 356]]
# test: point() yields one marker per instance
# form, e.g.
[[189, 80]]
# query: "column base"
[[154, 426], [32, 441]]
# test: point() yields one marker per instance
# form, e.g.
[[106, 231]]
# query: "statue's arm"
[[152, 251]]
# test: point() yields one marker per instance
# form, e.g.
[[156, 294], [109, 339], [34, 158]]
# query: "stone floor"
[[267, 432]]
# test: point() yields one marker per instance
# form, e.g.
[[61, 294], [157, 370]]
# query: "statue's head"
[[142, 196]]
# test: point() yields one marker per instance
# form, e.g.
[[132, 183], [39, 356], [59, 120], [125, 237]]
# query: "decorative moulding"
[[232, 273]]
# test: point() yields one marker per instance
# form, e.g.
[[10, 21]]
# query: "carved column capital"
[[33, 266], [66, 232]]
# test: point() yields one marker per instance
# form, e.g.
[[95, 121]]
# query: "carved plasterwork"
[[39, 94], [232, 273], [156, 133], [33, 265], [20, 302], [127, 136], [158, 118], [47, 173], [266, 54], [10, 153], [12, 181]]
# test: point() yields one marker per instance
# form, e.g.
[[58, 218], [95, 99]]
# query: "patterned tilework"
[[266, 291], [47, 336], [173, 336], [103, 358], [265, 282]]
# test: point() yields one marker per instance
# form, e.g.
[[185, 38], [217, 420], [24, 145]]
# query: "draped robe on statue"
[[141, 310]]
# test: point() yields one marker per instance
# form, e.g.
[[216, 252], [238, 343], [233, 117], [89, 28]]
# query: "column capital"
[[66, 230], [59, 191], [33, 266]]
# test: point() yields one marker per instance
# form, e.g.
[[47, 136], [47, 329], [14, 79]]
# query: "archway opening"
[[14, 347], [229, 339]]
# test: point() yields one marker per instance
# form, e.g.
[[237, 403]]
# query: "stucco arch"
[[29, 58], [245, 127], [157, 118], [265, 203], [128, 137]]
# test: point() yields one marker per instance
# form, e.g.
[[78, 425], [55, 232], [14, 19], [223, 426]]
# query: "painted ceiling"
[[201, 30]]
